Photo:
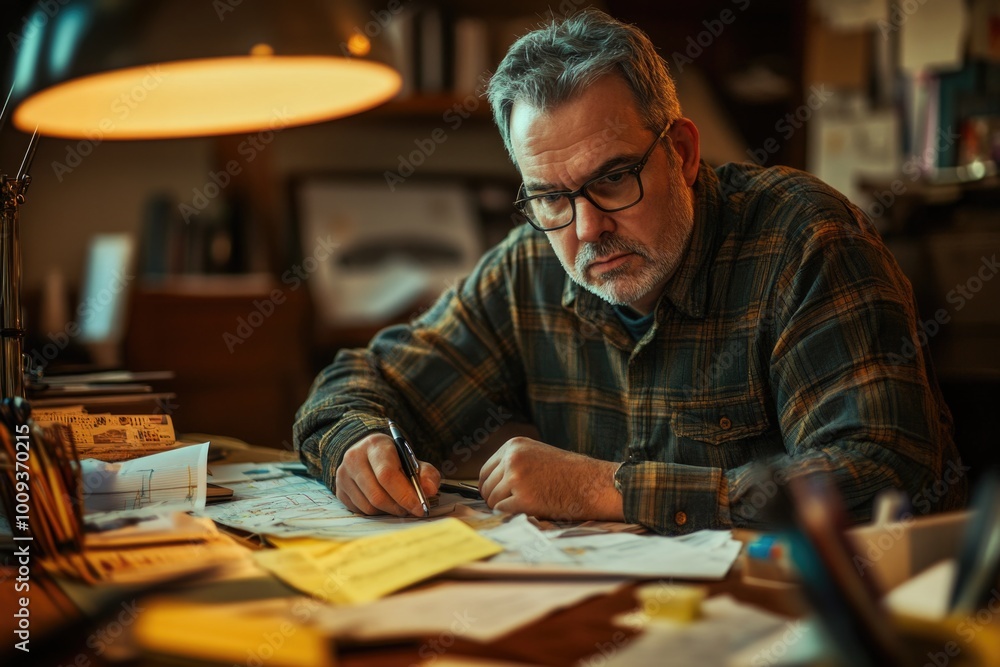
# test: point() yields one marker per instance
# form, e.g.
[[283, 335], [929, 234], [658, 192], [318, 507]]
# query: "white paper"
[[927, 594], [528, 551], [726, 627], [477, 611], [294, 506], [172, 479]]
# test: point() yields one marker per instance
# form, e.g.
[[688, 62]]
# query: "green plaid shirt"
[[779, 339]]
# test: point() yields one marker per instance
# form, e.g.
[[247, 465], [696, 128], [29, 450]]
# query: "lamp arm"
[[11, 325]]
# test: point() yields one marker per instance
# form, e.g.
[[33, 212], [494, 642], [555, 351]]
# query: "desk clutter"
[[284, 557]]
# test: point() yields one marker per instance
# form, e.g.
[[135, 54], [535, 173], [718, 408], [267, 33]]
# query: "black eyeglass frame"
[[521, 203]]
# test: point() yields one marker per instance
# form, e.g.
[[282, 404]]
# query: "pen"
[[410, 464]]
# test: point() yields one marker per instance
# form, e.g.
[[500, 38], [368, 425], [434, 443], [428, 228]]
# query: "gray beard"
[[658, 267]]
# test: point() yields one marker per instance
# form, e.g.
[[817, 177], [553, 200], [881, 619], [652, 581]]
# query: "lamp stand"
[[11, 326]]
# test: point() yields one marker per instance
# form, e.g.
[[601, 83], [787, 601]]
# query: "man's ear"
[[684, 138]]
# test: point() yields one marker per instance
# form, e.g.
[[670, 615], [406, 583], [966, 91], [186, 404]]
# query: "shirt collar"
[[687, 289]]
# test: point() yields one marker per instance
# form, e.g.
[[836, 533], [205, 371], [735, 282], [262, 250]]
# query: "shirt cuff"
[[339, 439], [672, 498]]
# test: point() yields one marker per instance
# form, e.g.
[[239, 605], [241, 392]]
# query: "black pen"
[[410, 464]]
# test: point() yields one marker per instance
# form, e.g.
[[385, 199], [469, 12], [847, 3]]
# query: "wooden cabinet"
[[238, 348]]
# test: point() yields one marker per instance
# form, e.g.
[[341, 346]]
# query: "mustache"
[[611, 244]]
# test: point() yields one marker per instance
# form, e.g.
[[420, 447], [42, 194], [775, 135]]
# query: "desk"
[[561, 639]]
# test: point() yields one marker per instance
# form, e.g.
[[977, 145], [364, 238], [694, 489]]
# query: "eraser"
[[676, 602]]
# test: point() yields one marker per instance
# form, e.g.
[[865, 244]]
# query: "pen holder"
[[40, 487]]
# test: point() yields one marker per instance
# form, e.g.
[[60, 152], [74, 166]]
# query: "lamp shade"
[[150, 69]]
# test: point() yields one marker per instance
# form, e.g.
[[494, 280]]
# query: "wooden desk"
[[562, 639]]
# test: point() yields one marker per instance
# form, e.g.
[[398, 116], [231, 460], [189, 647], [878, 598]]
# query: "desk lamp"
[[159, 69]]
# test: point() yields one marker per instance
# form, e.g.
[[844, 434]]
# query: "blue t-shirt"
[[636, 324]]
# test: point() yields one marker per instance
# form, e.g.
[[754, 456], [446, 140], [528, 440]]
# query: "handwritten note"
[[372, 567]]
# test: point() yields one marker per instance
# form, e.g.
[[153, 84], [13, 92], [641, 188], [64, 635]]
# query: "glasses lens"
[[549, 211], [615, 191]]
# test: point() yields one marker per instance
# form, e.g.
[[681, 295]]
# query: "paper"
[[368, 568], [529, 551], [726, 627], [231, 473], [119, 529], [294, 506], [140, 554], [172, 479], [114, 437], [477, 611], [927, 594]]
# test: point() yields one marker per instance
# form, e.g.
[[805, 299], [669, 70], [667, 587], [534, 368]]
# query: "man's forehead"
[[601, 121]]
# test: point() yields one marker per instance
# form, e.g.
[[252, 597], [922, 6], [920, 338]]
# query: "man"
[[664, 325]]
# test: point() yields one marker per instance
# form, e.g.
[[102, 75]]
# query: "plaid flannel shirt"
[[780, 338]]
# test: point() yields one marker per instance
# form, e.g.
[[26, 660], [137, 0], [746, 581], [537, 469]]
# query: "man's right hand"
[[370, 479]]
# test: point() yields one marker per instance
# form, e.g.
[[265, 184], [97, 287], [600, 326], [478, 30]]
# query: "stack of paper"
[[704, 555]]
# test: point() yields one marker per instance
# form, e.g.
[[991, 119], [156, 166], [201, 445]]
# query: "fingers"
[[430, 479], [365, 493], [495, 487], [355, 499], [487, 471], [370, 480]]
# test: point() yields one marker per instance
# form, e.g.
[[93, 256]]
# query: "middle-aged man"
[[663, 325]]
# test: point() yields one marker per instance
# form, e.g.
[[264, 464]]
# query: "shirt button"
[[680, 518], [725, 423]]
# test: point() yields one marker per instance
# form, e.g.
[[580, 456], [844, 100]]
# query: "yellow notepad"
[[372, 567], [268, 632]]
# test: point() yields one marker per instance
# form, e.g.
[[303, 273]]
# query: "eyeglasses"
[[616, 190]]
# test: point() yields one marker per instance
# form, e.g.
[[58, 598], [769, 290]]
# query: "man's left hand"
[[528, 476]]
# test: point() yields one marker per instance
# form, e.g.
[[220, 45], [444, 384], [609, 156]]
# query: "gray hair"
[[550, 65]]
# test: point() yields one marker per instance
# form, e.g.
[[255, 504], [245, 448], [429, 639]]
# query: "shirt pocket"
[[719, 422]]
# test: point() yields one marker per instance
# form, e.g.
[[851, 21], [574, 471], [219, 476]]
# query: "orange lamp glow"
[[162, 69], [192, 98]]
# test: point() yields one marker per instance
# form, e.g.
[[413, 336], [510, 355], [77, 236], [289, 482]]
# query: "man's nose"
[[591, 222]]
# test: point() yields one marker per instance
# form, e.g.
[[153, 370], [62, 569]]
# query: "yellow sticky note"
[[266, 632], [372, 567]]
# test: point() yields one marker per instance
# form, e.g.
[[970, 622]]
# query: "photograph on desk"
[[601, 332]]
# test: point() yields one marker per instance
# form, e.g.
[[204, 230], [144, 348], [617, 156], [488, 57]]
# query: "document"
[[477, 611], [294, 506], [113, 437], [169, 480], [369, 568], [528, 551], [727, 627]]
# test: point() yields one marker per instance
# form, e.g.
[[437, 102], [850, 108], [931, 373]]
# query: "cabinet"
[[237, 346]]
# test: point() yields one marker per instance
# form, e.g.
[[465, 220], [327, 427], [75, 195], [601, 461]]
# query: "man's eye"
[[613, 178], [553, 198]]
